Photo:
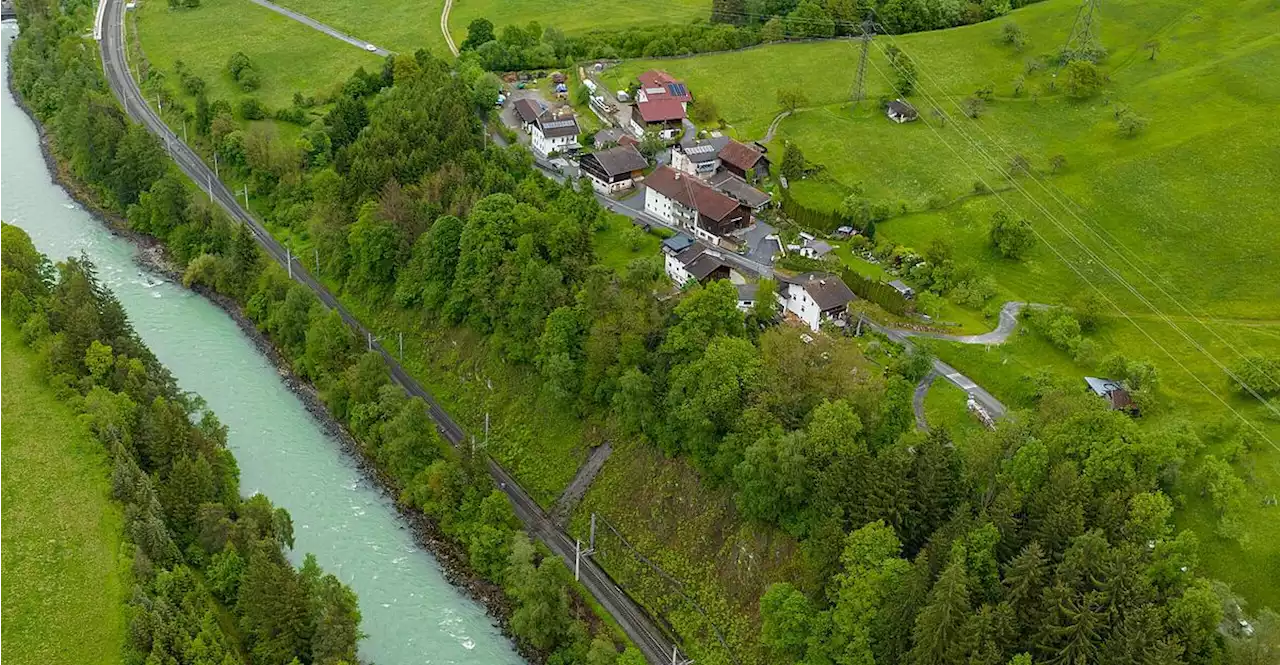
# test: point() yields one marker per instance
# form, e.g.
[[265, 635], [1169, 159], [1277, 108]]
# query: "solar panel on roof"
[[676, 89], [558, 123], [699, 149]]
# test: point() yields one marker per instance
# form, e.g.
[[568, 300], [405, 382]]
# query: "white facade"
[[664, 208], [545, 146], [796, 300], [681, 162], [609, 187], [675, 270]]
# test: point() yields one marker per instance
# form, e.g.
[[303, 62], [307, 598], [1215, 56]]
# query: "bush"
[[252, 109], [249, 80]]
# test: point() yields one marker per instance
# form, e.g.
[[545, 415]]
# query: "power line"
[[1079, 273]]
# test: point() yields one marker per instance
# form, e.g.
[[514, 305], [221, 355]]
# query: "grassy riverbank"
[[64, 582]]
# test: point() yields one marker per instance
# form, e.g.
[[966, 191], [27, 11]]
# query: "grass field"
[[574, 16], [289, 56], [613, 247], [403, 27], [64, 585]]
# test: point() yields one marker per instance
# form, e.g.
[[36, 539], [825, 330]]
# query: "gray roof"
[[901, 108], [622, 159], [677, 243], [1102, 387], [820, 247], [704, 265], [747, 291], [553, 127], [900, 286], [739, 189], [703, 150], [608, 135], [827, 290]]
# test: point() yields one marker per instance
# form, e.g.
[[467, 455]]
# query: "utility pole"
[[400, 336], [184, 131], [246, 197], [370, 336], [209, 186], [859, 85], [317, 251], [288, 261], [215, 165], [676, 659], [578, 553], [592, 541], [1082, 41], [486, 429]]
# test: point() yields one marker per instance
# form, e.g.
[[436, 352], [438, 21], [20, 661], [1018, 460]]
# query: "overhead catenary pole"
[[288, 261], [246, 197], [317, 251], [400, 337], [215, 165]]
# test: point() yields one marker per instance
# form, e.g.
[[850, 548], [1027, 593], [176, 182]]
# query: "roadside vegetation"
[[65, 579], [1051, 536]]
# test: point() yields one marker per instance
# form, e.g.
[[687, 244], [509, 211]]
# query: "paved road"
[[1008, 322], [642, 630], [444, 27], [307, 20]]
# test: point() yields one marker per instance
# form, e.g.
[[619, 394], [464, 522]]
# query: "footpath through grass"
[[64, 583], [403, 26]]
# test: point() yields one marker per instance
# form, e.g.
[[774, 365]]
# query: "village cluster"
[[704, 187]]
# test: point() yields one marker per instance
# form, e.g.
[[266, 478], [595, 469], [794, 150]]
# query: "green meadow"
[[289, 56], [1176, 226], [403, 27], [64, 582], [574, 16]]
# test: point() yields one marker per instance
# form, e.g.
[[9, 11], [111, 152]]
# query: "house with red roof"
[[661, 104]]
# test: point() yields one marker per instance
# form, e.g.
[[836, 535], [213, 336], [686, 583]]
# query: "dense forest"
[[198, 548], [1048, 540], [733, 24]]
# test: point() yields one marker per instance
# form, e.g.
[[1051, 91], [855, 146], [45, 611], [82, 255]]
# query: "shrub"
[[252, 109]]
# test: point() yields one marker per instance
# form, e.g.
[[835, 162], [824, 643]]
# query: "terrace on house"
[[685, 201], [555, 132], [686, 259], [698, 157], [814, 297], [615, 169]]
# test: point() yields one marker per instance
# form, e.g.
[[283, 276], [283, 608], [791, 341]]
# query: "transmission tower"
[[1083, 40], [859, 85]]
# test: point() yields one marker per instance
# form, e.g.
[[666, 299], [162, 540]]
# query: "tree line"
[[126, 169], [198, 549], [410, 207], [733, 24]]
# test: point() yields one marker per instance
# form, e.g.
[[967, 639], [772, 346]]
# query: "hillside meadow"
[[1175, 226], [574, 16], [65, 575]]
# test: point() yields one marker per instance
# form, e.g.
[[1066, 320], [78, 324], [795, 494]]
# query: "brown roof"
[[655, 78], [738, 188], [628, 139], [622, 159], [690, 192], [660, 110], [527, 109], [740, 155], [827, 290]]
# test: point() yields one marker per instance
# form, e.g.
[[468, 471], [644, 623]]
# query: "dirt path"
[[917, 400], [576, 489], [444, 27]]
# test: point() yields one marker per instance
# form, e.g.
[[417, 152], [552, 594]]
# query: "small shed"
[[1113, 391], [900, 111], [901, 287]]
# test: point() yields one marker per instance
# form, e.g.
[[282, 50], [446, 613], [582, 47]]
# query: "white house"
[[685, 201], [551, 133], [746, 295], [814, 297], [698, 157], [810, 247]]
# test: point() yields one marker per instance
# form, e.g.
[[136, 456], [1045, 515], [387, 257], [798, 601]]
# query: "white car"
[[371, 48]]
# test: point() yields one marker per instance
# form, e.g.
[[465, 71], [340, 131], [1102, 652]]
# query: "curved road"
[[642, 630], [307, 20], [444, 27]]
